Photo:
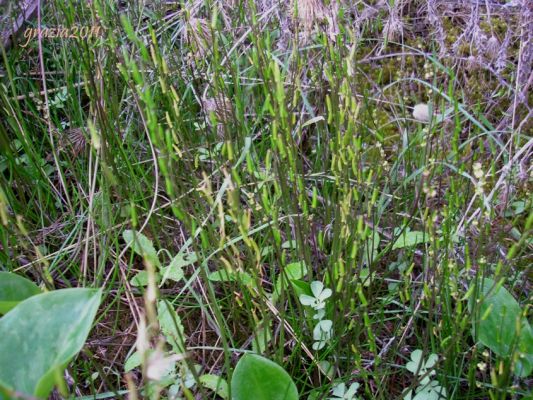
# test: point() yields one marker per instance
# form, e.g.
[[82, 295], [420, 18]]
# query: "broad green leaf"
[[171, 272], [496, 326], [14, 289], [225, 276], [258, 378], [216, 384], [498, 313], [301, 287], [41, 335], [524, 364], [265, 251], [171, 326], [410, 239], [141, 245], [292, 271]]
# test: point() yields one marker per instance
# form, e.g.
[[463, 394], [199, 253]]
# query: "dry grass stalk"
[[435, 21], [393, 29], [220, 105], [198, 35], [309, 12]]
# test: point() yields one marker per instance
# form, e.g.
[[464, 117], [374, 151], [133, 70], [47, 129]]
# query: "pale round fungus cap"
[[421, 112]]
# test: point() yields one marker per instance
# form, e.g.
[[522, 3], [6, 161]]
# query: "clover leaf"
[[320, 295], [322, 333], [418, 367], [340, 392]]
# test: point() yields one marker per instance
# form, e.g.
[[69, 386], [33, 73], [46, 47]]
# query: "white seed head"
[[478, 171], [492, 48], [422, 112], [473, 62], [159, 365]]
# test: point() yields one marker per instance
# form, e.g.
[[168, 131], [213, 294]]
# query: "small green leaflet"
[[141, 279], [132, 362]]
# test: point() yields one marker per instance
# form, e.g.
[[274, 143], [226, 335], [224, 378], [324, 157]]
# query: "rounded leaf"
[[496, 325], [319, 345], [258, 378], [41, 335], [326, 293], [307, 300], [316, 288], [416, 364]]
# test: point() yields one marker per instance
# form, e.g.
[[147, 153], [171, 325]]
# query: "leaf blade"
[[258, 378], [41, 335]]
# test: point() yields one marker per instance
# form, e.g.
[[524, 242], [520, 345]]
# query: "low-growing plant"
[[220, 169], [427, 388], [40, 336], [500, 324], [341, 392], [144, 247], [256, 377], [323, 330]]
